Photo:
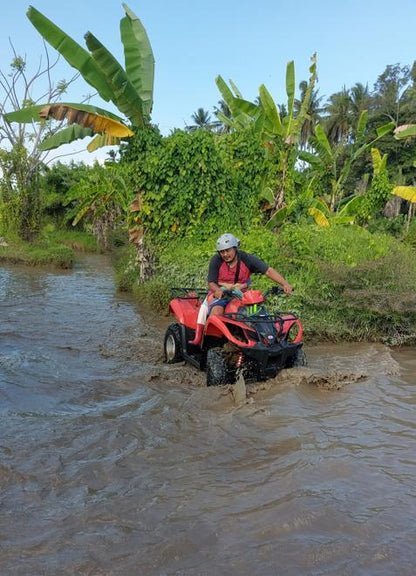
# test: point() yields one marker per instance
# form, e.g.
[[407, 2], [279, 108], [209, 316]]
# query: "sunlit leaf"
[[319, 217], [125, 95], [405, 131], [406, 192], [271, 111], [139, 58], [74, 54], [101, 140], [96, 122]]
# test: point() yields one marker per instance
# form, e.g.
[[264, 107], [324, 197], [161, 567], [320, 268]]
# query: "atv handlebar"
[[274, 291]]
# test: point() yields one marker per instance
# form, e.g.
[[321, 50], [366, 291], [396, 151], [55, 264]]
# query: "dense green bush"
[[199, 177]]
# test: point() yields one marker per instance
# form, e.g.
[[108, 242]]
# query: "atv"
[[246, 339]]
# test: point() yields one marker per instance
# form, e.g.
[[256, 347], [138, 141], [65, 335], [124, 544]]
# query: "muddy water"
[[115, 464]]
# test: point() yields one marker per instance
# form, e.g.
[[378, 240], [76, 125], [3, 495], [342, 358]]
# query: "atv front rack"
[[189, 293], [261, 318]]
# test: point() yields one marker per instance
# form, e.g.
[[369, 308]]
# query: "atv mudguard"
[[186, 310]]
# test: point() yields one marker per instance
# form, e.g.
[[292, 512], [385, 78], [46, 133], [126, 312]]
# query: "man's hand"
[[287, 288]]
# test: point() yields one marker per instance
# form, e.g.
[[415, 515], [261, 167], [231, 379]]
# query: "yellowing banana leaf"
[[319, 217], [406, 192], [96, 122], [101, 140], [74, 54], [125, 95], [65, 136], [139, 59], [32, 113], [405, 131]]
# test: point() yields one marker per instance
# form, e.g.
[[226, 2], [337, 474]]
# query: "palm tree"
[[338, 120], [360, 100], [202, 120]]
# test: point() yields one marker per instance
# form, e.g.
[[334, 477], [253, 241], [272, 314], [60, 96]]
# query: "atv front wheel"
[[299, 359], [173, 344], [218, 370]]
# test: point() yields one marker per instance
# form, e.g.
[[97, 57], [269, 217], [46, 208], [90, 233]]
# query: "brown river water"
[[113, 463]]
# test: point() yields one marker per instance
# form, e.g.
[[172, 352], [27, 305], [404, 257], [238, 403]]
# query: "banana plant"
[[130, 89], [279, 131], [406, 192], [324, 161]]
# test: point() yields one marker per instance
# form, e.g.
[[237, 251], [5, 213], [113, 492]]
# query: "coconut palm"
[[360, 100], [202, 120], [338, 120]]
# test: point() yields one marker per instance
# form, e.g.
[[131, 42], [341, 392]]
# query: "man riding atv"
[[230, 269]]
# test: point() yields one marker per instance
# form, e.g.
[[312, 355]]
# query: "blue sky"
[[247, 41]]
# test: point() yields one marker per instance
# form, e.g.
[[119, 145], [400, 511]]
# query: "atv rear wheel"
[[173, 344], [218, 370]]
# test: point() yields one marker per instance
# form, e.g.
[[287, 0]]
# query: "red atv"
[[246, 338]]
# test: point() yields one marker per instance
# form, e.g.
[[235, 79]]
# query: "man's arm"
[[276, 277]]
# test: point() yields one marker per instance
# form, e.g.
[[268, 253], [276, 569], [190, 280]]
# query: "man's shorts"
[[218, 302]]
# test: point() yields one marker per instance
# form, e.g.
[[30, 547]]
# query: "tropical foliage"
[[130, 89]]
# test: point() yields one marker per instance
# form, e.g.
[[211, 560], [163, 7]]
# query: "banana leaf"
[[139, 59], [319, 217], [324, 142], [350, 208], [236, 90], [101, 140], [362, 124], [405, 131], [266, 193], [125, 95], [271, 110], [73, 53], [32, 113], [304, 106], [65, 136], [245, 107], [290, 87], [406, 192], [278, 217]]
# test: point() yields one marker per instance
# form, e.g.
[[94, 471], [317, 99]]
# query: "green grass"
[[53, 247]]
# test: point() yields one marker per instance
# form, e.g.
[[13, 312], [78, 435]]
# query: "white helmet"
[[227, 241]]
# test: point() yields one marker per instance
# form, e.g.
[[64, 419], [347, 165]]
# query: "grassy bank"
[[349, 284], [53, 248]]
